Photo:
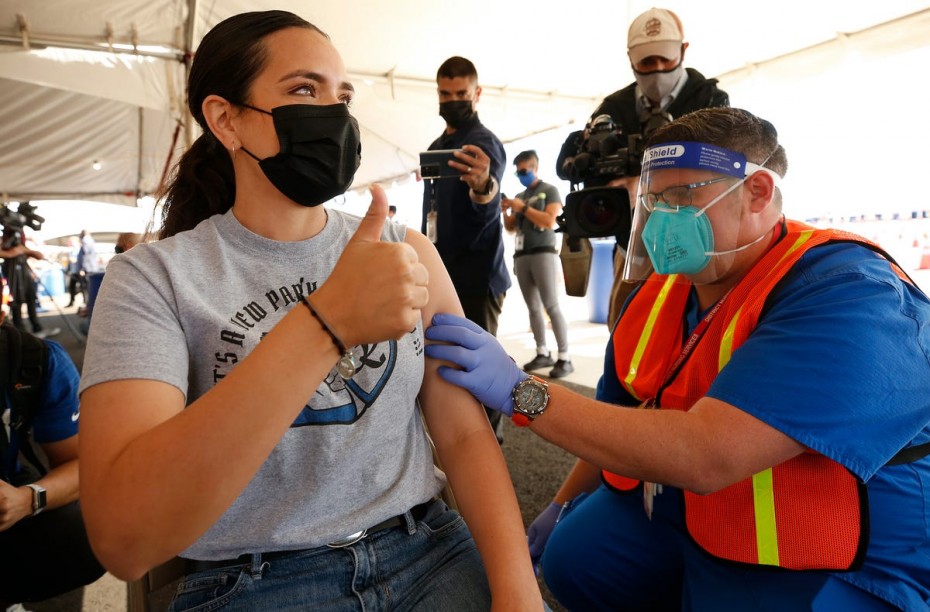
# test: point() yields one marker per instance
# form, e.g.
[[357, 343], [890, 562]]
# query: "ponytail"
[[228, 60], [203, 184]]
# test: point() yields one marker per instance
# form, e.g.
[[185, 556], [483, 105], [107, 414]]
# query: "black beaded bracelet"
[[348, 364]]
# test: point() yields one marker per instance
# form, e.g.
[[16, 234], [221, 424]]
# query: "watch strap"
[[487, 192], [521, 420], [38, 498]]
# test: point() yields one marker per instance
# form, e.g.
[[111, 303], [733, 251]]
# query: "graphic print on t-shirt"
[[345, 401], [336, 401]]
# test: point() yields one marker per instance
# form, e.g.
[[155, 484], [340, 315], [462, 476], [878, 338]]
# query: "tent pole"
[[61, 42], [141, 154], [189, 35]]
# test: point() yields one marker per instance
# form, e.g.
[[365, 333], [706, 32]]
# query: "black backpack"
[[25, 358]]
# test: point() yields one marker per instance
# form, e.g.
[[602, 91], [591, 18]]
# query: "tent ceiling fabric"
[[540, 69]]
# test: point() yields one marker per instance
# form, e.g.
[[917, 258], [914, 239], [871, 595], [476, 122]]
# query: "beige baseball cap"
[[655, 32]]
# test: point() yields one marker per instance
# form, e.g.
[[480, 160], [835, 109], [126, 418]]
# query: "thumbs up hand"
[[377, 288]]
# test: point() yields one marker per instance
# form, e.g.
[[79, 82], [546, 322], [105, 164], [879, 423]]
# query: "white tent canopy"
[[67, 110]]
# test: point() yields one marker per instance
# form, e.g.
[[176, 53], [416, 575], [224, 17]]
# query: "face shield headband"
[[670, 236]]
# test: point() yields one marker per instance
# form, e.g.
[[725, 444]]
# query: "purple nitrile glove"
[[487, 371], [540, 530]]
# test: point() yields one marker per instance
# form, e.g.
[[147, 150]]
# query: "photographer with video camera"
[[16, 271], [608, 152]]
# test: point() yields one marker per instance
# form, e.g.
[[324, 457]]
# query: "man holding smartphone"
[[461, 215]]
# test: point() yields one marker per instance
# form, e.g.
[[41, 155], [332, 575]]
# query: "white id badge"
[[518, 242], [431, 226], [650, 490]]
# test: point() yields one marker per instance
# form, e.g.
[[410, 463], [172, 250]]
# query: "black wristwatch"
[[38, 498], [487, 187]]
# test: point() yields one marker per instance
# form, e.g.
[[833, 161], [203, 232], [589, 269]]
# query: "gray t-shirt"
[[186, 309], [532, 238]]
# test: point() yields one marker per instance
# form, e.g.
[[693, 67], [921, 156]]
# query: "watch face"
[[530, 397], [38, 498]]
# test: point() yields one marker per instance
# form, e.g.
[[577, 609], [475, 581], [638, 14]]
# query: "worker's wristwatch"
[[38, 498], [530, 399]]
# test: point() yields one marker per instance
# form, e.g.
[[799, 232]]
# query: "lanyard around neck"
[[688, 347]]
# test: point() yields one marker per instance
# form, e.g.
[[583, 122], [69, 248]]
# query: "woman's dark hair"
[[226, 63]]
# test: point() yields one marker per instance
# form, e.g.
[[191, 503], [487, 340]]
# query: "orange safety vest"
[[806, 513]]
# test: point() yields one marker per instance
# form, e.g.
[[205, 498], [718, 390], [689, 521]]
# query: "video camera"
[[602, 153], [14, 221], [596, 156], [597, 212]]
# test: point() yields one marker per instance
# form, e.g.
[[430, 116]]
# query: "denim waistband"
[[416, 513]]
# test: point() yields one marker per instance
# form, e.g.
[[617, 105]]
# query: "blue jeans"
[[431, 564]]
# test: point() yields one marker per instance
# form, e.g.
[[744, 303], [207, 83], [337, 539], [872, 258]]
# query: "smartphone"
[[434, 164]]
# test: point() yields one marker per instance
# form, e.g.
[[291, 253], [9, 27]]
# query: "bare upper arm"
[[436, 394], [442, 296]]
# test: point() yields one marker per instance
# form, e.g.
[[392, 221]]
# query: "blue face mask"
[[527, 179], [678, 241]]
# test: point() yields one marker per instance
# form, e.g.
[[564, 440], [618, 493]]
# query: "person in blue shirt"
[[462, 216], [44, 550], [783, 463]]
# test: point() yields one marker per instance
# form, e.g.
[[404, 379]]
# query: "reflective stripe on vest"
[[806, 513], [644, 336]]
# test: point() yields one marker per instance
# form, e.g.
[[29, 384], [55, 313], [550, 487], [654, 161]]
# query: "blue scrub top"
[[840, 362], [57, 417]]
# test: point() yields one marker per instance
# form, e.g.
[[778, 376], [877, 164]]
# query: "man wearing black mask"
[[462, 216], [663, 90]]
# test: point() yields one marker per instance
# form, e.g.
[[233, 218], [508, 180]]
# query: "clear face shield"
[[672, 232]]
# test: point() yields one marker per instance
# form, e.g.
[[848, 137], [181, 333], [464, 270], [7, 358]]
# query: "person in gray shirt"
[[532, 216], [255, 397]]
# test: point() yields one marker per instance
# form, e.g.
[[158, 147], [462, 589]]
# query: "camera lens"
[[599, 214]]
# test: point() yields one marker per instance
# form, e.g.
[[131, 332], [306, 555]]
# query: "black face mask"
[[456, 113], [320, 151]]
